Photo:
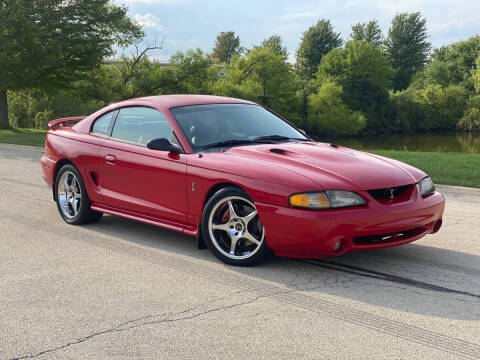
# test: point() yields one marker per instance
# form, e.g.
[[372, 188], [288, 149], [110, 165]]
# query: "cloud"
[[191, 24], [149, 21]]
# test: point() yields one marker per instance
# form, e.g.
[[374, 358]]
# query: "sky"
[[188, 24]]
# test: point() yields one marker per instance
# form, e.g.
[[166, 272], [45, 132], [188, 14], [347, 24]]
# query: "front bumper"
[[303, 233]]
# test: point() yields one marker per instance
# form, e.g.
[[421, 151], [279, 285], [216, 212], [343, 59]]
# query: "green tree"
[[262, 76], [275, 43], [137, 76], [227, 44], [193, 72], [103, 83], [187, 73], [453, 64], [407, 47], [316, 42], [328, 114], [364, 74], [45, 43], [369, 32]]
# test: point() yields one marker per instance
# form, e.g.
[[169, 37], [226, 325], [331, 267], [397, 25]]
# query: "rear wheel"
[[232, 228], [72, 199]]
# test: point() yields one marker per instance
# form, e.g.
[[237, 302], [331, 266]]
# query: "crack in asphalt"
[[351, 269], [166, 319]]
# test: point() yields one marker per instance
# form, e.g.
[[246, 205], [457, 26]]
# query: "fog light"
[[338, 245]]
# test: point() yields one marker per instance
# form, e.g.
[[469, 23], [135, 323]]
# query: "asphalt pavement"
[[119, 289]]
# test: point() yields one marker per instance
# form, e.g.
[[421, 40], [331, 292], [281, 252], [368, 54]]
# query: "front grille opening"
[[392, 195], [390, 237]]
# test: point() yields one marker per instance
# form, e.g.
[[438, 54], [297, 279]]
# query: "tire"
[[72, 199], [237, 240]]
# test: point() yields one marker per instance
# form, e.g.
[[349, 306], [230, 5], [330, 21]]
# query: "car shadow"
[[413, 278]]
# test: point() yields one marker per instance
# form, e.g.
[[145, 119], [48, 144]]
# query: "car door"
[[138, 180], [89, 160]]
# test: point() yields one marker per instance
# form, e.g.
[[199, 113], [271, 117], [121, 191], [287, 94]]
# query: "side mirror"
[[303, 132], [163, 144]]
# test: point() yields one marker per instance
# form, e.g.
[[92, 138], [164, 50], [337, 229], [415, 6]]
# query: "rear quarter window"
[[103, 124]]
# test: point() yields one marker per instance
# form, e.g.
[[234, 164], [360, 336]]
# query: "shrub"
[[444, 105], [35, 108], [42, 118], [406, 112], [431, 108], [21, 108], [327, 112], [471, 119]]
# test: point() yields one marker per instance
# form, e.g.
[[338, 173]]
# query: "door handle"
[[110, 159]]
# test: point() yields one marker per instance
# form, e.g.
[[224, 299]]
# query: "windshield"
[[238, 124]]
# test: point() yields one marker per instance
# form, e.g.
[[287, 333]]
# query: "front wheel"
[[232, 228], [72, 199]]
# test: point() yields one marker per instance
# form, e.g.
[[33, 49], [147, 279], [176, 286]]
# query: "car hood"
[[333, 167]]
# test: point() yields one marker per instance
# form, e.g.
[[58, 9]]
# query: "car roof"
[[170, 101], [162, 101]]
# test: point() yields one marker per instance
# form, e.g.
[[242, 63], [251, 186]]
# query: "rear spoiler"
[[68, 121]]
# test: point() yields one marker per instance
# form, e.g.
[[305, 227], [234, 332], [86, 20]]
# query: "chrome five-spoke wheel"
[[69, 194], [235, 228], [72, 199]]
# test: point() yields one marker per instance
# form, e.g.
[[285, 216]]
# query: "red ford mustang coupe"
[[240, 179]]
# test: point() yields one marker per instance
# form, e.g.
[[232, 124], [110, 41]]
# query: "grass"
[[445, 168], [459, 169], [32, 137]]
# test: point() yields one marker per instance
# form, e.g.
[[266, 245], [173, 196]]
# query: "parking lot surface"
[[119, 289]]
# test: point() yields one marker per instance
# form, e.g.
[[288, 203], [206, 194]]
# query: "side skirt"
[[145, 219]]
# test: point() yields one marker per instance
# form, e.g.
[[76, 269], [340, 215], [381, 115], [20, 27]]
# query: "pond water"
[[439, 142]]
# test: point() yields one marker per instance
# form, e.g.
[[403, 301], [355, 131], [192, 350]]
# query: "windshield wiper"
[[233, 142], [268, 139], [279, 138]]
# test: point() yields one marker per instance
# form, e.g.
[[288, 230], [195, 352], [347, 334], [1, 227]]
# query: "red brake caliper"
[[225, 216]]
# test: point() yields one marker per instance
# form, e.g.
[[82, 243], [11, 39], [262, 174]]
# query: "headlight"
[[426, 187], [326, 199]]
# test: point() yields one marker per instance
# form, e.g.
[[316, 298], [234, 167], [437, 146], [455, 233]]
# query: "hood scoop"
[[285, 152], [277, 151]]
